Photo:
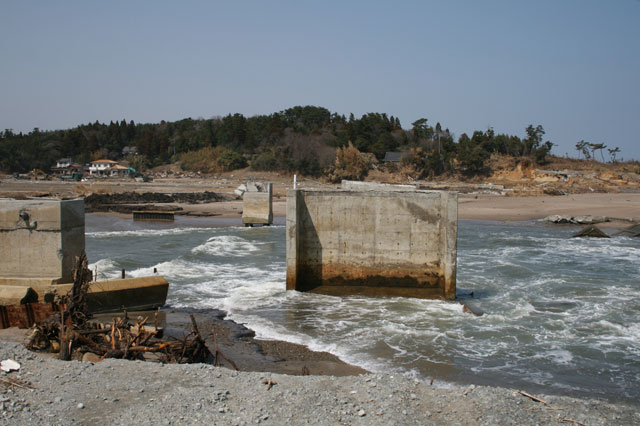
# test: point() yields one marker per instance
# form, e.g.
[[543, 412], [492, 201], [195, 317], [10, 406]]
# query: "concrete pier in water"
[[373, 240], [257, 204]]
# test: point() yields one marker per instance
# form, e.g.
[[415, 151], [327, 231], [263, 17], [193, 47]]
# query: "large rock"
[[589, 220]]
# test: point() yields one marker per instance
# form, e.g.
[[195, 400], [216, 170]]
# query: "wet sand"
[[624, 206]]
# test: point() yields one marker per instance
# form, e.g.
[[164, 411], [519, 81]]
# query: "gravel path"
[[132, 392]]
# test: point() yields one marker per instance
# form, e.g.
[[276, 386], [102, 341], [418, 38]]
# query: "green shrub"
[[264, 161]]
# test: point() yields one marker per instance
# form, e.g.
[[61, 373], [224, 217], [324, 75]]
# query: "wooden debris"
[[270, 383], [13, 382], [573, 421], [71, 331], [533, 397]]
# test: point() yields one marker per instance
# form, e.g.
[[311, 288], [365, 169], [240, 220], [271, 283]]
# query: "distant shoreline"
[[477, 207]]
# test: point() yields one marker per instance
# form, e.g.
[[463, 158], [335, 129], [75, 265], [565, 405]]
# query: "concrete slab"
[[139, 294]]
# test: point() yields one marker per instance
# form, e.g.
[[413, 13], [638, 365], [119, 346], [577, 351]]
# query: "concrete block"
[[257, 205], [17, 295], [40, 240], [373, 242], [133, 294]]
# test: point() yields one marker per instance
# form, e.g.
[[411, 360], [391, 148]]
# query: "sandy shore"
[[500, 208], [491, 207], [622, 209], [478, 206]]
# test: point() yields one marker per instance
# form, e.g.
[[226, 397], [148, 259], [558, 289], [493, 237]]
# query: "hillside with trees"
[[308, 140]]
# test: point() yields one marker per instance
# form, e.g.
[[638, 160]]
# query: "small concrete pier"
[[257, 204], [372, 241]]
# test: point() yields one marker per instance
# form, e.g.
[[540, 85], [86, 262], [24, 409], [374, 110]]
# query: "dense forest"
[[305, 139]]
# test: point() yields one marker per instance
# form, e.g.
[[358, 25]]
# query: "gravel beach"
[[134, 392]]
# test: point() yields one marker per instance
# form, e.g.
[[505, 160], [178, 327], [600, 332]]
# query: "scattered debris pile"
[[71, 333], [576, 220]]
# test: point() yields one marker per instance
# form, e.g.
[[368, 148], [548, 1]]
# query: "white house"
[[101, 167], [118, 170]]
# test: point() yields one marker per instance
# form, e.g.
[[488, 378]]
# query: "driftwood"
[[72, 334], [14, 382], [533, 397], [270, 383], [573, 421]]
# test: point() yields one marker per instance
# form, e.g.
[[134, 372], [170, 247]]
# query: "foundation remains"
[[373, 241], [257, 204], [40, 241]]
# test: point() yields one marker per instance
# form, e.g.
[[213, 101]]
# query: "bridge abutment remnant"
[[374, 242], [40, 241], [257, 205]]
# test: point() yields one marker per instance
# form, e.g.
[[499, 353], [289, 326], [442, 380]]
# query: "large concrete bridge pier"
[[373, 241]]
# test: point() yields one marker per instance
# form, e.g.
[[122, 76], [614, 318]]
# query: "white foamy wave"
[[149, 232], [226, 245], [269, 331], [107, 269], [557, 356], [626, 332]]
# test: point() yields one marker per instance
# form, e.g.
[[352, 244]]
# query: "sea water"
[[562, 314]]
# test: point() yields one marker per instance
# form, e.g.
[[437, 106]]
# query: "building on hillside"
[[101, 167], [66, 166], [63, 163], [118, 171]]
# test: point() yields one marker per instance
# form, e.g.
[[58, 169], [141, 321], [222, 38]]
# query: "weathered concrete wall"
[[397, 243], [354, 185], [140, 294], [257, 206], [39, 240]]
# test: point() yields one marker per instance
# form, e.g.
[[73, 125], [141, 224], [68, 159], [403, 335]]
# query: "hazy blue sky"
[[571, 65]]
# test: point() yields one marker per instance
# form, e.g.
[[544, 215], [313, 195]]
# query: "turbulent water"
[[561, 314]]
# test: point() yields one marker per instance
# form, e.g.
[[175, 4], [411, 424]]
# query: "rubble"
[[576, 220], [591, 231]]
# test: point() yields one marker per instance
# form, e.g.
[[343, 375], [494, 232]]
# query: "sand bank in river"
[[484, 207]]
